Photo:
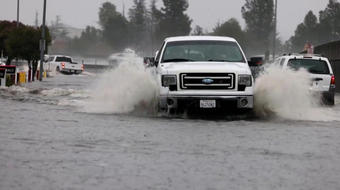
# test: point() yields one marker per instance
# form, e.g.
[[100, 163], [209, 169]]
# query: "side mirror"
[[149, 61], [255, 61], [252, 64]]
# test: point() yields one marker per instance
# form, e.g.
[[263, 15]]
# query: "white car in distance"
[[64, 64]]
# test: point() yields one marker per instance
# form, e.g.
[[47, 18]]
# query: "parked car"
[[203, 72], [321, 73], [64, 64]]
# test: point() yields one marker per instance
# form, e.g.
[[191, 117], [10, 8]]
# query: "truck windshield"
[[63, 59], [311, 65], [213, 51]]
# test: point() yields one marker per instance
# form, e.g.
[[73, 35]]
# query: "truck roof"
[[59, 56], [305, 56], [199, 38]]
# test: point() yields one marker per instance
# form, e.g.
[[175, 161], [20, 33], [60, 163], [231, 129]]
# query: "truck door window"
[[63, 59]]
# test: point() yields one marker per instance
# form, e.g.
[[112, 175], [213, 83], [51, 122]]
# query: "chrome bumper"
[[239, 102]]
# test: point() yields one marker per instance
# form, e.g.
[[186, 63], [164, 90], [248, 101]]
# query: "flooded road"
[[52, 136]]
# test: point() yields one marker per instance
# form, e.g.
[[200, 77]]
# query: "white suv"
[[203, 72], [322, 76]]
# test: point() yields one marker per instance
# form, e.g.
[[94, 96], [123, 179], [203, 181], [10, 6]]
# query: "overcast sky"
[[205, 13]]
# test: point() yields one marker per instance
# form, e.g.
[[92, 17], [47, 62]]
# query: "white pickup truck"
[[64, 64], [203, 72]]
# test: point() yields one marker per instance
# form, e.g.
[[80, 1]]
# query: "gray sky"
[[205, 13]]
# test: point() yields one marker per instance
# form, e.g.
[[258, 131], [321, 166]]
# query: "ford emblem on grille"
[[207, 81]]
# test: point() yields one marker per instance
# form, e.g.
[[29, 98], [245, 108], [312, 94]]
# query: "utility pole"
[[274, 34], [123, 8], [42, 43], [18, 10]]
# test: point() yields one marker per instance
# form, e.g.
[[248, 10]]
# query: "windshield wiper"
[[176, 60], [218, 60], [221, 60]]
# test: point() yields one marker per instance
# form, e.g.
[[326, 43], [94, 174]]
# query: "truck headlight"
[[245, 80], [169, 80]]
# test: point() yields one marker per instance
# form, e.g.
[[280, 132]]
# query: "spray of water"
[[286, 94], [127, 88]]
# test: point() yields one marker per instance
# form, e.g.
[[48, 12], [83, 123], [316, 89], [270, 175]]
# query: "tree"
[[259, 18], [138, 24], [330, 22], [231, 28], [198, 31], [23, 42], [173, 20], [115, 27], [155, 16], [6, 28], [305, 32], [106, 13], [87, 43]]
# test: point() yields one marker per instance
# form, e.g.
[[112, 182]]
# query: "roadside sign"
[[2, 77], [11, 74]]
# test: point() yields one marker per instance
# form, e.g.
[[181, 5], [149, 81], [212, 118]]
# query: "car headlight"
[[245, 80], [169, 80]]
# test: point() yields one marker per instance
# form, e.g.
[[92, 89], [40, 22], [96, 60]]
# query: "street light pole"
[[42, 43], [275, 28], [18, 10]]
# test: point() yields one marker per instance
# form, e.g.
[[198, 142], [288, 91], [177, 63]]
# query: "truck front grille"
[[207, 81]]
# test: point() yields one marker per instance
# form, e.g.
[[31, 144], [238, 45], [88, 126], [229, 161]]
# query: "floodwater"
[[77, 132]]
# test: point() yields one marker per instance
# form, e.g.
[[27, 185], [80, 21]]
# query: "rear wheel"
[[328, 100], [57, 69]]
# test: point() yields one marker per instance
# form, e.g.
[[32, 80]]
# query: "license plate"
[[207, 103]]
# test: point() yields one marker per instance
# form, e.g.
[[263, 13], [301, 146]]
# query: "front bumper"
[[222, 102], [70, 71]]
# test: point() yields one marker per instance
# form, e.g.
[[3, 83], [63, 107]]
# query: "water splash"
[[286, 93], [127, 88]]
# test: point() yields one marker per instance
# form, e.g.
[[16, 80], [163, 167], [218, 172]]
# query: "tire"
[[57, 69], [328, 100]]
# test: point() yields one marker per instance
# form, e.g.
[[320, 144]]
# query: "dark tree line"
[[144, 28], [317, 30]]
